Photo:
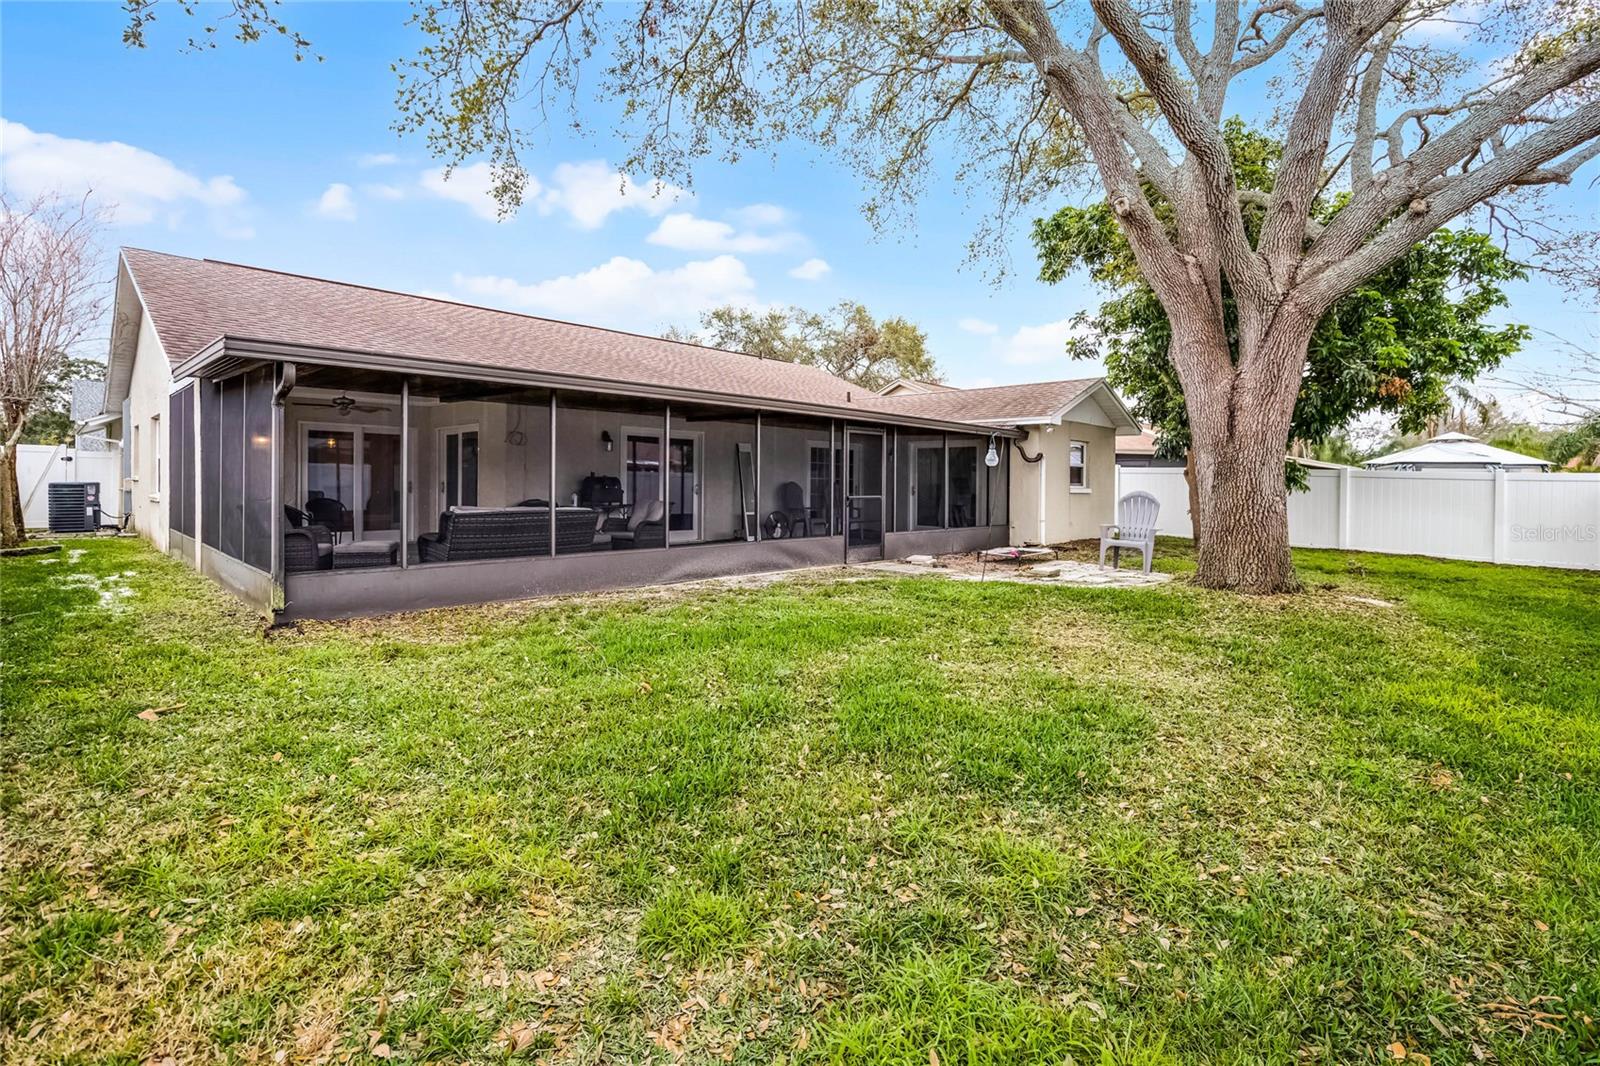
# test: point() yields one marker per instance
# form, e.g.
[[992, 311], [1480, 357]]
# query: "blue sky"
[[242, 154]]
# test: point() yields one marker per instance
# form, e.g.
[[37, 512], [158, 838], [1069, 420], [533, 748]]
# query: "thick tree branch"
[[1367, 110], [1350, 24], [1410, 177], [1199, 135], [1458, 194], [1297, 18]]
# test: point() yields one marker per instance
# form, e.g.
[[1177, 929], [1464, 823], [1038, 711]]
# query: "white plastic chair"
[[1135, 528]]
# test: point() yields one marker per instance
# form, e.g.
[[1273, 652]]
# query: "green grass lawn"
[[891, 820]]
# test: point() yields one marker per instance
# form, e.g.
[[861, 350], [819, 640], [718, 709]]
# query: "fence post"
[[1498, 515], [1344, 507]]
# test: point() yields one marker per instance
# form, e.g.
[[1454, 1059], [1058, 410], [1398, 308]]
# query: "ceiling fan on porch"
[[345, 405]]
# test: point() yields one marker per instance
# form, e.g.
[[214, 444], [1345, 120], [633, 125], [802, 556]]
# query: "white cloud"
[[623, 291], [337, 202], [472, 185], [138, 186], [690, 233], [1031, 345], [811, 270], [377, 159], [381, 191], [978, 326], [758, 215], [592, 191]]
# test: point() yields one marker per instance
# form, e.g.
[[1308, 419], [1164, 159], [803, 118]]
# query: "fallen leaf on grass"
[[1397, 1050]]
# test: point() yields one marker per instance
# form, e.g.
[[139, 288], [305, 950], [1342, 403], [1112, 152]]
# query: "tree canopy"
[[1398, 344], [845, 340]]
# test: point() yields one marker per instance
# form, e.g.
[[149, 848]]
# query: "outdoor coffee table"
[[360, 554]]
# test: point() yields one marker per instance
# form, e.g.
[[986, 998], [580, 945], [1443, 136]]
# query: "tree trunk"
[[1244, 511], [1194, 495], [1238, 445], [12, 534]]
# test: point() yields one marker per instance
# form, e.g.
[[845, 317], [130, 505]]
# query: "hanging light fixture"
[[605, 438], [993, 458]]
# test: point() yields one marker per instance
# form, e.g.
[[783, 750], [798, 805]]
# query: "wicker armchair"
[[308, 547]]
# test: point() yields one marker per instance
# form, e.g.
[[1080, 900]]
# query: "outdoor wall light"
[[993, 458], [605, 438]]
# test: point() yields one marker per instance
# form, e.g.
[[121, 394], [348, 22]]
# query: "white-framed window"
[[1078, 466], [155, 455]]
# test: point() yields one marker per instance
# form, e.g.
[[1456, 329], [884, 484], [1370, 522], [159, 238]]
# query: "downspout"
[[1039, 460]]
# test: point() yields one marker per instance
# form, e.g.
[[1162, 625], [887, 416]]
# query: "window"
[[1078, 466], [155, 455], [133, 460], [817, 475]]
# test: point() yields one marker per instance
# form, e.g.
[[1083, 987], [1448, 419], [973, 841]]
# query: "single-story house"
[[328, 449], [1456, 451]]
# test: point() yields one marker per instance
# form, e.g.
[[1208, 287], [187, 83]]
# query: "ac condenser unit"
[[74, 506]]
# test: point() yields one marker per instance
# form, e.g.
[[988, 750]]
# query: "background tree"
[[1402, 343], [1573, 395], [51, 419], [52, 298], [846, 341], [1033, 99]]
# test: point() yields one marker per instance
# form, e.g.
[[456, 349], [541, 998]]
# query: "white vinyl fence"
[[1494, 516], [40, 464]]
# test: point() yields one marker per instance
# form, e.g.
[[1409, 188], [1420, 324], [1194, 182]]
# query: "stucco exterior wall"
[[145, 434], [1088, 508], [1043, 488]]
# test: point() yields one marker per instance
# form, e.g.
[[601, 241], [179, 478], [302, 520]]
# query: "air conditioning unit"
[[74, 506]]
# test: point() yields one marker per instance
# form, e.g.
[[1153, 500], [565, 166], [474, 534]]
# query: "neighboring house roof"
[[85, 400], [1039, 402], [903, 385], [1141, 443], [1457, 449]]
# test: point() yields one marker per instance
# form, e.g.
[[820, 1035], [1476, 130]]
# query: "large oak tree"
[[1028, 99]]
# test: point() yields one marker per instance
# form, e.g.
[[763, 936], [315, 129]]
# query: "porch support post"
[[405, 473], [666, 478], [833, 489], [275, 526], [552, 496], [758, 477]]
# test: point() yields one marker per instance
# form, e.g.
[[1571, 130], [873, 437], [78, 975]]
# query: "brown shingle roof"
[[192, 302], [1040, 399]]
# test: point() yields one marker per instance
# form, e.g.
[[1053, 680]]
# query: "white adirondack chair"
[[1135, 528]]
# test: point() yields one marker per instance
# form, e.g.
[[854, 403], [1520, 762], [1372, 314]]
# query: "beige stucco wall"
[[1087, 509], [1043, 487], [148, 389]]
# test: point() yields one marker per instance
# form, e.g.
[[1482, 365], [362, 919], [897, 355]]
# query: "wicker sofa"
[[506, 532]]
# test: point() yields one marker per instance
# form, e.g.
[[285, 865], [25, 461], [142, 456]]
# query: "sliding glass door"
[[351, 480]]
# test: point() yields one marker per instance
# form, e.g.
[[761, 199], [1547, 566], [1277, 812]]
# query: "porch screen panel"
[[969, 485], [795, 459], [1000, 484], [211, 463], [257, 473], [610, 472], [180, 453], [918, 480], [230, 484], [712, 475]]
